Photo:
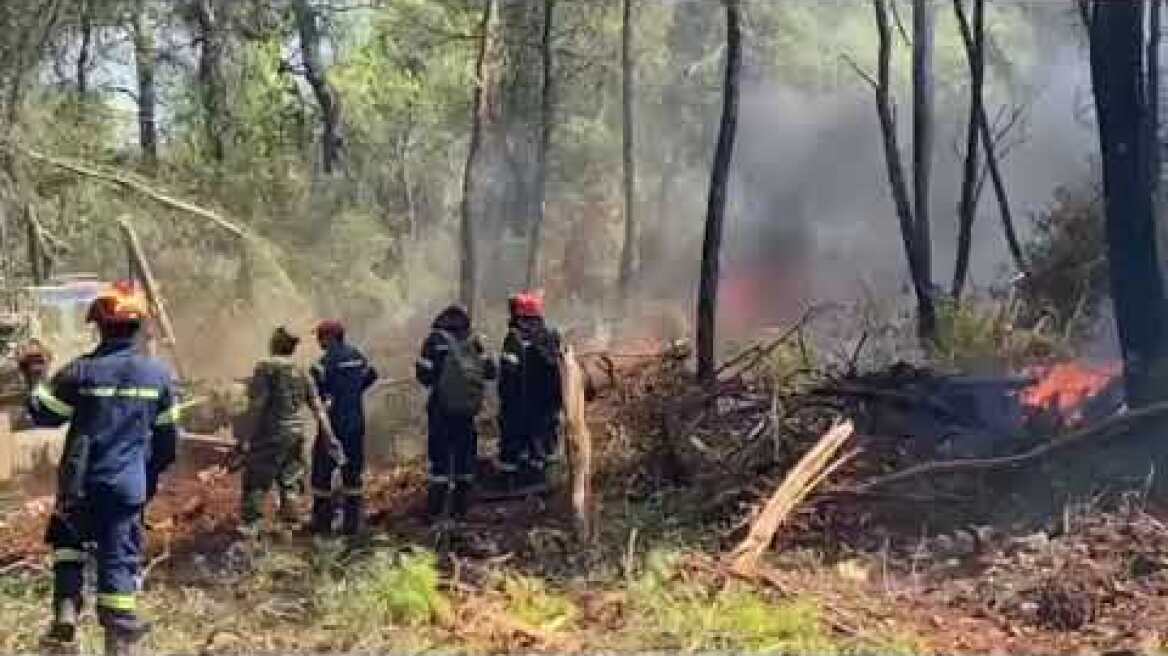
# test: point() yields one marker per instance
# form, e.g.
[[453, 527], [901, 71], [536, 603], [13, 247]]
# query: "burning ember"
[[1066, 388]]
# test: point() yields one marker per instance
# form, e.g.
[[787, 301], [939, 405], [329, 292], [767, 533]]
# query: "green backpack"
[[461, 383]]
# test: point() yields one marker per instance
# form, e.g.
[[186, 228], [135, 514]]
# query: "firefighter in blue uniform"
[[342, 376], [121, 410], [452, 441], [529, 395]]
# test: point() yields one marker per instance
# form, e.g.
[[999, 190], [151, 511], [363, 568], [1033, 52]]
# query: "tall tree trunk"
[[316, 75], [467, 288], [923, 121], [1152, 97], [1137, 289], [629, 254], [212, 93], [897, 181], [716, 208], [967, 207], [144, 61], [30, 43], [546, 119], [83, 51]]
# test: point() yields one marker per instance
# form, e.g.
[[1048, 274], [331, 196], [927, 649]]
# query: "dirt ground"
[[1098, 582]]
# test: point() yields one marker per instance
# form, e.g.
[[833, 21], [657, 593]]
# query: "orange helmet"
[[330, 328], [119, 302], [527, 304]]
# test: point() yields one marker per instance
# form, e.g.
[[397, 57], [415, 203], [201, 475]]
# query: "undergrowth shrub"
[[1067, 258], [530, 600], [388, 589], [677, 614]]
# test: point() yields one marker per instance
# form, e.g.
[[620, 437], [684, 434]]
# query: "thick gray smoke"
[[811, 216]]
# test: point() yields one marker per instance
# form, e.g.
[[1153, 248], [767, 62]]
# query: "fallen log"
[[126, 181], [808, 473], [1111, 427]]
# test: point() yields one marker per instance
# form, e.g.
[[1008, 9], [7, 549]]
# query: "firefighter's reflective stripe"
[[117, 601], [438, 478], [174, 413], [123, 392], [508, 467], [511, 358], [353, 491], [464, 478], [321, 493], [44, 396], [351, 364], [65, 555], [425, 363]]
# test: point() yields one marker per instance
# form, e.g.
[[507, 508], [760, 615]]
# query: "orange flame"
[[1064, 387]]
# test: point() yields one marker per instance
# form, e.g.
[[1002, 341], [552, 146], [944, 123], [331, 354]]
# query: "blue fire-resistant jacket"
[[122, 415], [342, 375]]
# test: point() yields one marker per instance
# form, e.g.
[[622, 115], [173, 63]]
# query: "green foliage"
[[530, 601], [388, 589], [991, 338], [1067, 257], [679, 615]]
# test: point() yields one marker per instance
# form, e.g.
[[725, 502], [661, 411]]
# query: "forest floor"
[[678, 476], [514, 579]]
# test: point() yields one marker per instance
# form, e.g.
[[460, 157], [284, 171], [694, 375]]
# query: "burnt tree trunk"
[[1137, 289], [897, 181], [316, 76], [716, 208], [923, 123], [546, 119], [467, 291], [212, 94], [83, 51], [967, 207], [144, 63], [629, 259]]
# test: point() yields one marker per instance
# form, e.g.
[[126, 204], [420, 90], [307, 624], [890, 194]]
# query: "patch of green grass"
[[387, 589], [529, 600], [670, 613]]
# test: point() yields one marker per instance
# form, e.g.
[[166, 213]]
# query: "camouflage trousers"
[[280, 464]]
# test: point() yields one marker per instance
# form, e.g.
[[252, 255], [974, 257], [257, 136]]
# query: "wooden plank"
[[146, 275], [7, 449]]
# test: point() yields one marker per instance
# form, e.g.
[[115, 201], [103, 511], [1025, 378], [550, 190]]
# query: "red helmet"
[[527, 304], [119, 302], [330, 328]]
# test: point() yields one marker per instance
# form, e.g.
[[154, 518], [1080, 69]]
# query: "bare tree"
[[897, 181], [629, 259], [923, 20], [467, 289], [716, 207], [1137, 288], [142, 28], [967, 206], [85, 28], [307, 25], [546, 119]]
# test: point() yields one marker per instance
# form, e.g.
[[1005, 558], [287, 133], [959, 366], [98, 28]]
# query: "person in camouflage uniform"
[[279, 392]]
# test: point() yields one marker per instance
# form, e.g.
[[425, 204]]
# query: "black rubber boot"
[[353, 517], [436, 495], [61, 637], [124, 632], [461, 500], [323, 514]]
